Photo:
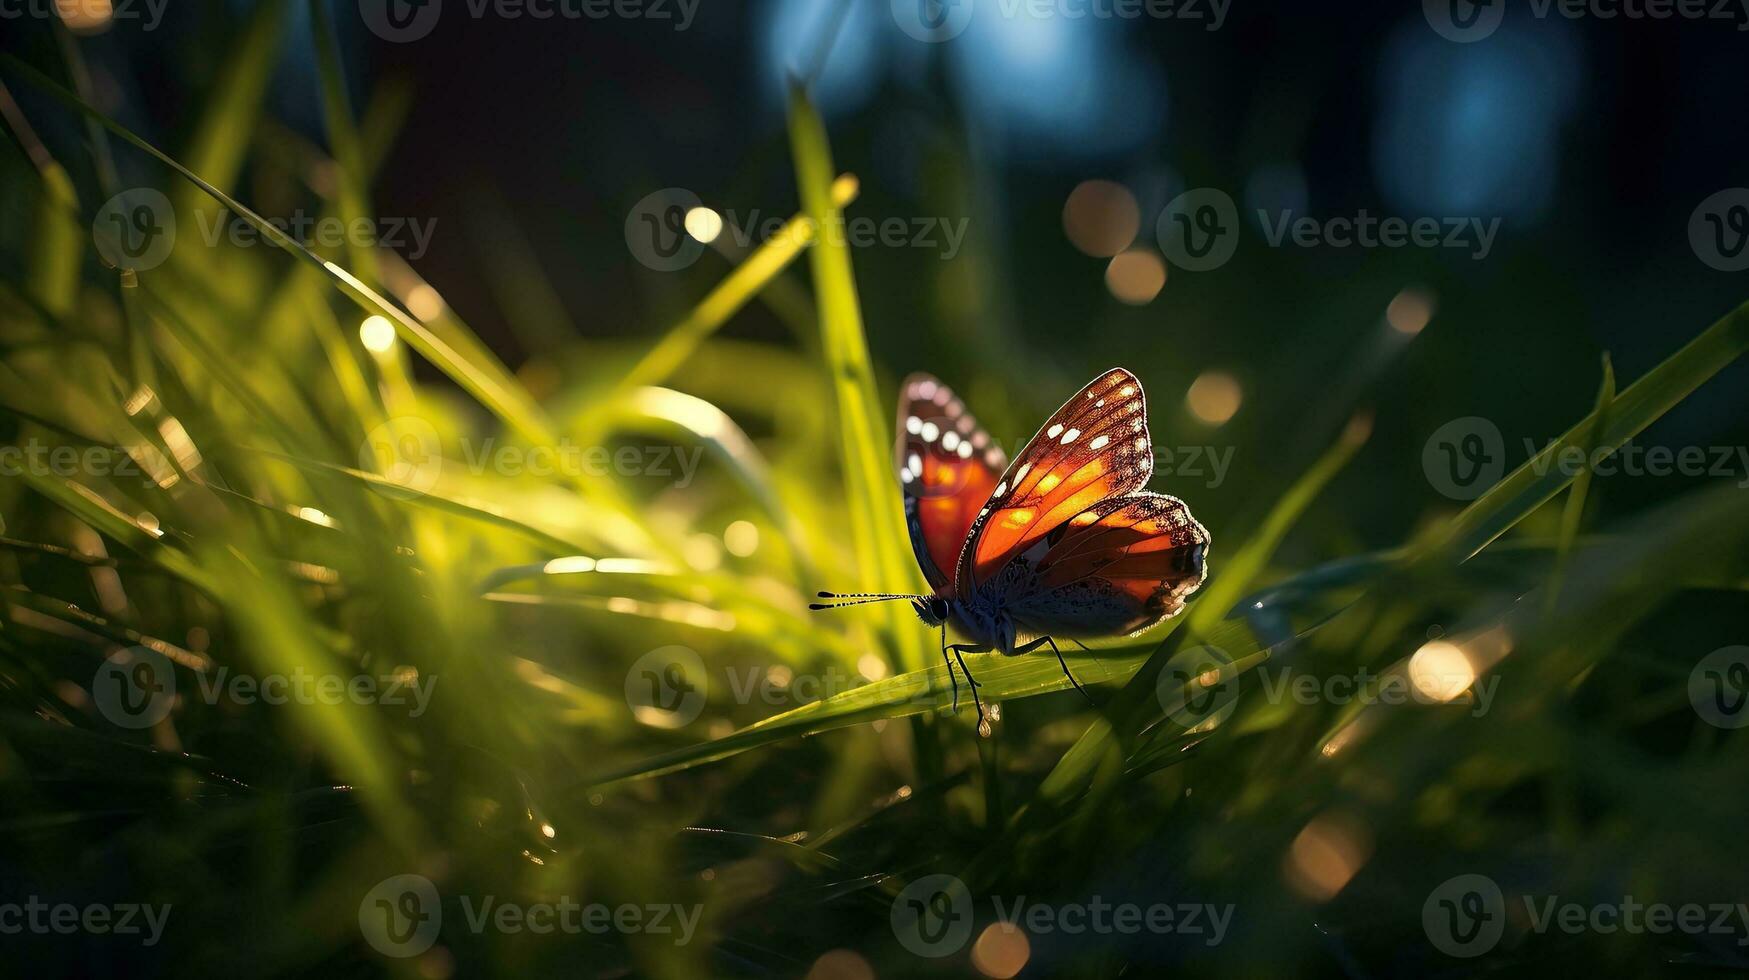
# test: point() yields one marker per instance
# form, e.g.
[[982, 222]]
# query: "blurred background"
[[573, 221]]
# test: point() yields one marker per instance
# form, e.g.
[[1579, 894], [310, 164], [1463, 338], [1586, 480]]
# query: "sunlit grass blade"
[[735, 291], [877, 523], [495, 388]]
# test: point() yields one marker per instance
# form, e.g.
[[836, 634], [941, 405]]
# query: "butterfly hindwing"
[[1094, 448], [947, 467], [1116, 568]]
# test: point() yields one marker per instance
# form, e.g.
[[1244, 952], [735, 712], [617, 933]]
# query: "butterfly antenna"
[[842, 599]]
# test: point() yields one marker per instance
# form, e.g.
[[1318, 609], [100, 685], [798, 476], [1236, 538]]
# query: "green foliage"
[[251, 525]]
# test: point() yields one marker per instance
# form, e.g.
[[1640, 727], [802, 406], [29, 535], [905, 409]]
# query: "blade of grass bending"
[[734, 292], [1500, 508], [87, 505], [1538, 480], [472, 509], [58, 242], [1136, 706], [1574, 513], [877, 523], [342, 138], [495, 389], [279, 638], [222, 136], [927, 691]]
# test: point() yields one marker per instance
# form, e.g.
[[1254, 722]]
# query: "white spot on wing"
[[1071, 436], [1001, 488], [913, 425], [965, 450], [930, 431], [1099, 442], [915, 464], [1054, 431]]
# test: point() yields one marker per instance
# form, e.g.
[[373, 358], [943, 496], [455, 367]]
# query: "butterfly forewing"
[[1094, 448], [947, 467]]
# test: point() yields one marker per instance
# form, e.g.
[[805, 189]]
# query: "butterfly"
[[1064, 541]]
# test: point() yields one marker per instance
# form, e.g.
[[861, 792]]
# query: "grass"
[[251, 535]]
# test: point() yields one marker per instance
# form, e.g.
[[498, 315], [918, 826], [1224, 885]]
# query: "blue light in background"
[[1055, 86], [1473, 129], [789, 42]]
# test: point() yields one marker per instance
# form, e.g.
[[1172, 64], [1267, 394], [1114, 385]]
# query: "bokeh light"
[[377, 334], [1001, 950], [1101, 218], [704, 224], [424, 302], [1409, 311], [1214, 397], [1136, 277], [1440, 671], [85, 16], [1326, 855], [741, 538], [841, 964]]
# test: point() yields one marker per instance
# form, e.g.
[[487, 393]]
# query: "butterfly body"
[[1064, 541]]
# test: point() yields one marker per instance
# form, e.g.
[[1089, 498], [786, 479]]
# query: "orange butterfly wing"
[[1118, 567], [1095, 447], [1099, 554], [947, 467]]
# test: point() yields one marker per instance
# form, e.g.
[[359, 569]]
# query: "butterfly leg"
[[950, 674], [1034, 645], [959, 652]]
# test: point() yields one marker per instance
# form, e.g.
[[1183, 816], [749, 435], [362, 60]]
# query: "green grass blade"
[[221, 137], [1573, 514], [491, 385], [1538, 480], [877, 521]]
